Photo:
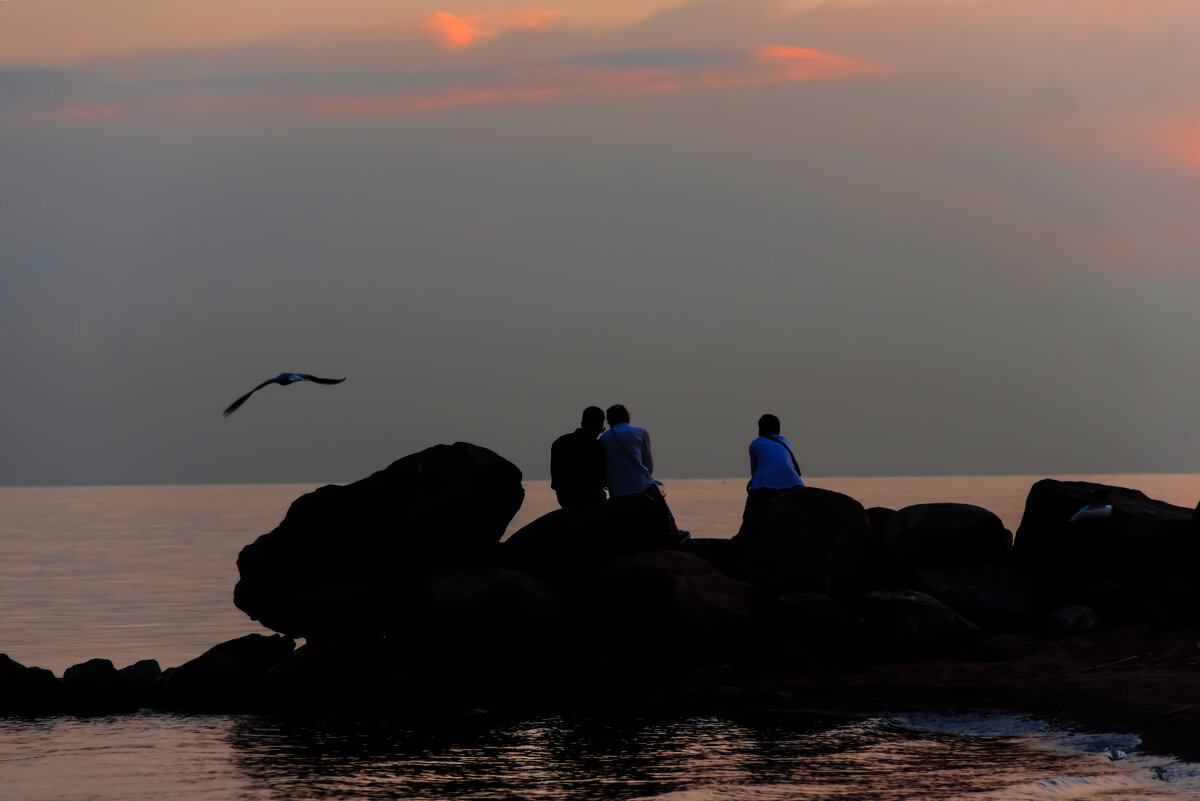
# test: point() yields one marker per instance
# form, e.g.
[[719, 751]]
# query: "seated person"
[[577, 471], [773, 466]]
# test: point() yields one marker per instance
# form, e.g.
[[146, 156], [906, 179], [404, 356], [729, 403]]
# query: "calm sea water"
[[129, 573]]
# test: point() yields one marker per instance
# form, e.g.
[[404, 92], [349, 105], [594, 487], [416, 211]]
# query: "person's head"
[[617, 414], [592, 420], [768, 424]]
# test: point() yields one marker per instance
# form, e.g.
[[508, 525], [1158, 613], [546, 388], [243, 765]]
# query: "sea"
[[141, 572]]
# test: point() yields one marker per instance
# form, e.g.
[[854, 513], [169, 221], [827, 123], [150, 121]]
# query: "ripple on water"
[[144, 757]]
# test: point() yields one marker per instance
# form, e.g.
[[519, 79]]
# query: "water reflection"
[[694, 759]]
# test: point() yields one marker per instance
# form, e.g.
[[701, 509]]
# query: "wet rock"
[[808, 540], [142, 678], [27, 690], [339, 561], [940, 534], [227, 678], [912, 625], [1131, 544], [994, 596], [1071, 621]]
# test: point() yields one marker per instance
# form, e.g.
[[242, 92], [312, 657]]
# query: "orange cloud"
[[807, 64], [1168, 142], [458, 33], [449, 31]]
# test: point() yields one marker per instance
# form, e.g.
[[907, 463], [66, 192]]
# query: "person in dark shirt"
[[577, 462]]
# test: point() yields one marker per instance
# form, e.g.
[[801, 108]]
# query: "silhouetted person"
[[577, 462], [631, 464], [773, 466]]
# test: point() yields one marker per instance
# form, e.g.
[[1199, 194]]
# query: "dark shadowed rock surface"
[[808, 540], [912, 625], [230, 677], [993, 596], [335, 562], [1138, 542], [564, 544], [940, 534], [1071, 621], [657, 609], [25, 690], [997, 648], [97, 686]]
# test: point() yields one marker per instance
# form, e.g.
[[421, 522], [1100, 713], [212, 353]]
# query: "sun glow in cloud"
[[458, 33]]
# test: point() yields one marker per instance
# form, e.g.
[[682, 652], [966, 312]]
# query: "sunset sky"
[[933, 236]]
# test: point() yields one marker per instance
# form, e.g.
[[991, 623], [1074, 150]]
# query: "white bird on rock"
[[283, 379]]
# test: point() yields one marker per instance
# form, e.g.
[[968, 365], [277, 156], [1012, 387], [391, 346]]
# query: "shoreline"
[[1131, 679]]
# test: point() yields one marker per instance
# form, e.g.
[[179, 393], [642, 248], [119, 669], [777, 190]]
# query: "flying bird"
[[283, 379]]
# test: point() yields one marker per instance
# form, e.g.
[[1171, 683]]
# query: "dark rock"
[[723, 554], [334, 564], [97, 687], [939, 534], [1132, 544], [994, 596], [227, 678], [563, 545], [498, 621], [27, 690], [808, 540], [912, 625], [879, 517], [997, 648], [654, 611], [141, 680], [1070, 621], [811, 614], [331, 675]]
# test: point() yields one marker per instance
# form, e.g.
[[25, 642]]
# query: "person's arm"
[[647, 457], [753, 460]]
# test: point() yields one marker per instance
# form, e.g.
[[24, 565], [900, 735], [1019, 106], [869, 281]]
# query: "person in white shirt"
[[773, 466], [630, 464]]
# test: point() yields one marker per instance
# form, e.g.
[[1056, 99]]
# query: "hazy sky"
[[950, 236]]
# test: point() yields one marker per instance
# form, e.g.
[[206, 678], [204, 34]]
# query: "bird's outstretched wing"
[[308, 377], [233, 407]]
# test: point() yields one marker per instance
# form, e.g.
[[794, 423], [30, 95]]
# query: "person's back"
[[577, 462], [772, 462], [627, 455]]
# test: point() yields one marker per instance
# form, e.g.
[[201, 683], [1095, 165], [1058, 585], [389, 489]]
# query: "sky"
[[934, 237]]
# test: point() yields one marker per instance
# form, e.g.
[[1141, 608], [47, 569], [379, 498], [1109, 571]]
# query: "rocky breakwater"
[[410, 605]]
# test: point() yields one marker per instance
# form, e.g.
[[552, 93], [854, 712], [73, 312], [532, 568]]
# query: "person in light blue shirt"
[[630, 465], [627, 454], [773, 466]]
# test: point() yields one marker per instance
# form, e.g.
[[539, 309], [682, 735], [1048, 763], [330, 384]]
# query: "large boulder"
[[912, 625], [565, 544], [27, 690], [227, 678], [489, 620], [1123, 536], [334, 564], [97, 687], [994, 596], [658, 610], [808, 540], [939, 534]]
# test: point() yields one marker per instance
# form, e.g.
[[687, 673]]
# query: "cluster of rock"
[[409, 603]]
